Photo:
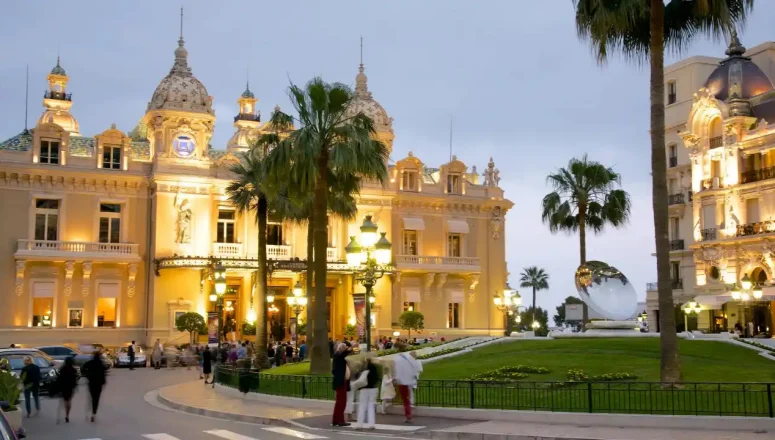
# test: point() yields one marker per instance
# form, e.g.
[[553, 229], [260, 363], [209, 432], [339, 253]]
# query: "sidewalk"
[[439, 423]]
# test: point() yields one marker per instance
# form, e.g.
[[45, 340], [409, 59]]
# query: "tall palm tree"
[[247, 194], [641, 30], [585, 197], [329, 141], [536, 278]]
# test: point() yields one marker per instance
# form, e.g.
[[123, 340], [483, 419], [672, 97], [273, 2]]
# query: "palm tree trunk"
[[320, 358], [261, 359], [670, 367], [310, 273], [534, 304], [583, 256]]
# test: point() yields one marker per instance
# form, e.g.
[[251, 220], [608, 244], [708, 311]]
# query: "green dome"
[[58, 70]]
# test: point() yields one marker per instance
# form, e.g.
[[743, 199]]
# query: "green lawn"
[[701, 361]]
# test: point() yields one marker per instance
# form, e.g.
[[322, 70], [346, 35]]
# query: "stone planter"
[[15, 418]]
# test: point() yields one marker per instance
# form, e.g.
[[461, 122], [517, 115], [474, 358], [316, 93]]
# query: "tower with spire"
[[247, 123], [57, 102]]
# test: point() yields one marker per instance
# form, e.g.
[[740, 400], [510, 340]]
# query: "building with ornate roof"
[[720, 137], [114, 236]]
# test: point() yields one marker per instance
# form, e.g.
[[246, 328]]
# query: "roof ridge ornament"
[[180, 66], [736, 48]]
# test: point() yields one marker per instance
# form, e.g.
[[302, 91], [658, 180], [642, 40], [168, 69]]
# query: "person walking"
[[418, 369], [94, 370], [67, 381], [131, 352], [367, 395], [207, 364], [289, 352], [156, 354], [31, 381], [302, 351], [405, 375], [341, 374]]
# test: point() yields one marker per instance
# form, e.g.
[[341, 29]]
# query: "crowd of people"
[[281, 353]]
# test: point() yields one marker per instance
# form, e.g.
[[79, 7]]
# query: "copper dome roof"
[[737, 76]]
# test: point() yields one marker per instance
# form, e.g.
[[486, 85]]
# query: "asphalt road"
[[126, 415]]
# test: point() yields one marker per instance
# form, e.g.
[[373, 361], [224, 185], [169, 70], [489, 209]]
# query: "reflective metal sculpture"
[[606, 290]]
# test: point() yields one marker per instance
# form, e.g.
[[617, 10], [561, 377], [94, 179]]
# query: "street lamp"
[[297, 303], [367, 268], [219, 275], [508, 302], [749, 290], [691, 307]]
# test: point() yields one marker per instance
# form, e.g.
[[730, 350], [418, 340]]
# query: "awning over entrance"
[[712, 302], [457, 226], [414, 224]]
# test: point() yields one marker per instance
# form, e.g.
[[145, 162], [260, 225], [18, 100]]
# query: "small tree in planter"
[[192, 323], [248, 329], [350, 330], [411, 320], [10, 388]]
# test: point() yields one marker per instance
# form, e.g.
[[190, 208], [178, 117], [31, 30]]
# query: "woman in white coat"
[[367, 395]]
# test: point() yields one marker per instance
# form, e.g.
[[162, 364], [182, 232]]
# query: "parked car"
[[48, 366], [60, 353], [122, 358], [89, 349], [6, 430]]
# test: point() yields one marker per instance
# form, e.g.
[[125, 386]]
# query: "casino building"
[[720, 140], [108, 238]]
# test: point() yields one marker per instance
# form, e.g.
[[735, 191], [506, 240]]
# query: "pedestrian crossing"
[[229, 435]]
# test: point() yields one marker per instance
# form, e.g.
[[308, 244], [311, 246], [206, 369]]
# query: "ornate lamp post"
[[297, 303], [219, 276], [368, 268], [691, 307], [508, 302], [749, 290]]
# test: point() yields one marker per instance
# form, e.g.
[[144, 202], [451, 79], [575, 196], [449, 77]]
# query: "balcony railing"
[[673, 162], [229, 250], [247, 117], [712, 183], [716, 141], [676, 284], [332, 254], [675, 199], [58, 95], [676, 245], [437, 261], [765, 227], [757, 175], [45, 247], [278, 252], [708, 234]]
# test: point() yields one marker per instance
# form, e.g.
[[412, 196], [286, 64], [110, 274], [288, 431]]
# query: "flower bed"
[[575, 376], [510, 373]]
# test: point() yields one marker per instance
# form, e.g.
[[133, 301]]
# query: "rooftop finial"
[[361, 88], [181, 24], [361, 51], [181, 54], [736, 48]]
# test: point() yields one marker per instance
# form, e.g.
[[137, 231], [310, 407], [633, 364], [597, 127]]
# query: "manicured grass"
[[701, 361], [301, 368]]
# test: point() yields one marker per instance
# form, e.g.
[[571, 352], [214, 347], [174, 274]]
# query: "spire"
[[361, 88], [736, 49], [58, 70], [180, 66]]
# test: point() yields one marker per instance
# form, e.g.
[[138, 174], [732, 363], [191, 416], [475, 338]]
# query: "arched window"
[[759, 276], [714, 132]]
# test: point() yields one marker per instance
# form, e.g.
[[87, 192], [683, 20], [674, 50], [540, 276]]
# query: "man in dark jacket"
[[339, 382], [31, 381], [131, 352], [94, 370]]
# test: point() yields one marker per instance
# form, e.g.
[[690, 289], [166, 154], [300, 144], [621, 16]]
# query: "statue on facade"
[[491, 175], [183, 233], [495, 223]]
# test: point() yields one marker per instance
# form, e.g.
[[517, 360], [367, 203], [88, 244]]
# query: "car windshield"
[[125, 350], [17, 362]]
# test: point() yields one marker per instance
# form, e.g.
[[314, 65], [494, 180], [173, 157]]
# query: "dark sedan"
[[48, 367]]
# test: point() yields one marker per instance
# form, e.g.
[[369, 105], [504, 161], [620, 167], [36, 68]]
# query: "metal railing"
[[278, 252], [675, 199], [716, 141], [676, 245], [673, 162], [757, 175], [674, 283], [710, 399], [75, 246], [440, 261], [247, 117], [227, 249], [58, 95], [765, 227], [708, 234]]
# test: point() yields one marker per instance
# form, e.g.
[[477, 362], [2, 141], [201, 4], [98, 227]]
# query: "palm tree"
[[329, 141], [247, 194], [536, 278], [585, 197], [640, 30]]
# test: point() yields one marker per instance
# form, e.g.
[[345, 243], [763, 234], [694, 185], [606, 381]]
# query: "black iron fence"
[[714, 399], [676, 245]]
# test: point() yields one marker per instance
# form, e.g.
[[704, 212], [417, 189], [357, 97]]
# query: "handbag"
[[362, 380]]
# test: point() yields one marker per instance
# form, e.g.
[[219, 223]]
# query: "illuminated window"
[[410, 306], [43, 293], [49, 152], [106, 312], [274, 234], [111, 157], [453, 184], [74, 317], [716, 137], [184, 146], [409, 181], [46, 219], [225, 230], [410, 242], [110, 223], [453, 315], [453, 245]]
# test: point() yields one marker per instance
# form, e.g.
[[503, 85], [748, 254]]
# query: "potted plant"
[[10, 388]]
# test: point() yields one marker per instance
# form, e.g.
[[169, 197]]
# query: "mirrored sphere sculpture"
[[606, 290]]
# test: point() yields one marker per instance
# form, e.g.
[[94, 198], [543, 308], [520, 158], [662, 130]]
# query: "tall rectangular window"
[[410, 242], [75, 317], [409, 181], [454, 184], [752, 211], [225, 229], [110, 222], [46, 219], [674, 229], [274, 234], [453, 315], [43, 293], [111, 157], [106, 312], [49, 152], [672, 95], [453, 245], [675, 270], [409, 306]]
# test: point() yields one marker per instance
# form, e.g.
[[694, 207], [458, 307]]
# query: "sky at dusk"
[[512, 76]]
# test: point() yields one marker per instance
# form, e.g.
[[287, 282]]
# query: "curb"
[[225, 415], [443, 435]]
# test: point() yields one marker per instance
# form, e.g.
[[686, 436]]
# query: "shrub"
[[248, 328], [575, 375], [9, 389], [608, 377]]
